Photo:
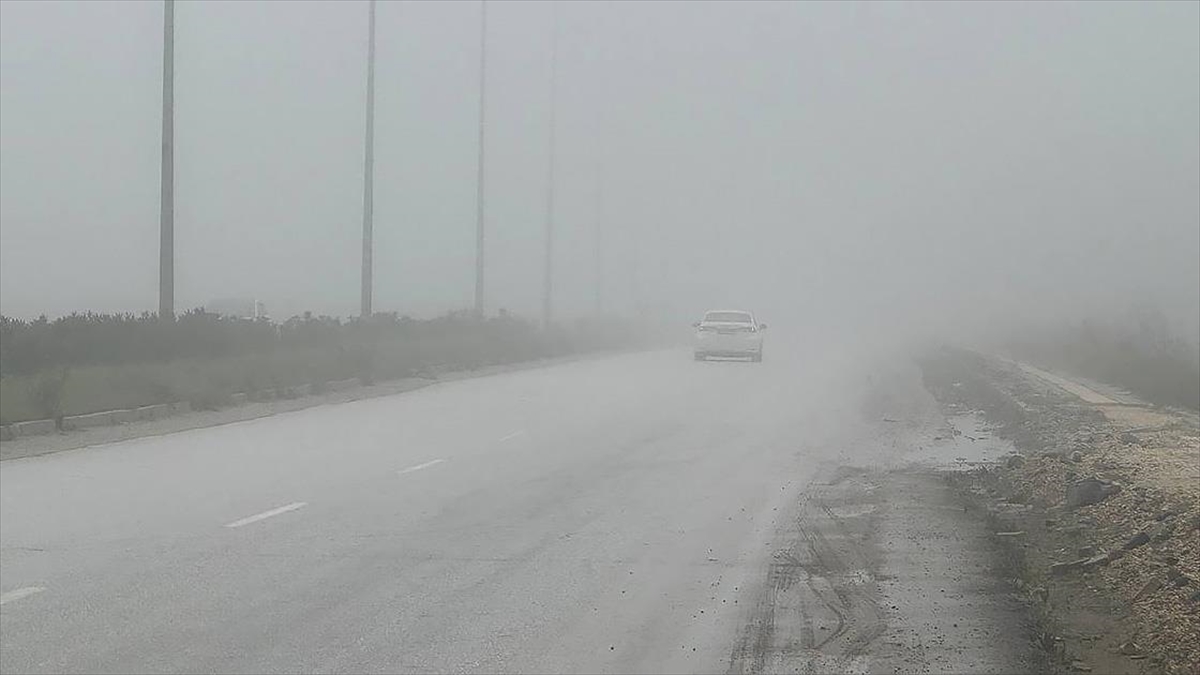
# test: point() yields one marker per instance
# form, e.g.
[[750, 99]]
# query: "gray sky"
[[894, 162]]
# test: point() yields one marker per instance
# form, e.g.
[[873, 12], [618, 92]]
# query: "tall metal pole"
[[166, 217], [479, 178], [369, 172], [598, 243], [548, 285]]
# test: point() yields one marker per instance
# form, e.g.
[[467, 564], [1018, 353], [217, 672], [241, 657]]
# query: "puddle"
[[964, 444]]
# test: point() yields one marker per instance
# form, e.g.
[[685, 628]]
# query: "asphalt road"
[[602, 515]]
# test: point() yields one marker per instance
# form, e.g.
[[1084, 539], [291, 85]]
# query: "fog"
[[895, 166], [971, 231]]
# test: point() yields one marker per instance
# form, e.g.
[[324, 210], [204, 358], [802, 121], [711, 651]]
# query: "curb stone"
[[158, 411], [340, 385], [96, 419], [33, 428], [154, 412]]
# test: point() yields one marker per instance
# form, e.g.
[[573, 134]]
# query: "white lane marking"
[[512, 436], [418, 467], [267, 514], [19, 593]]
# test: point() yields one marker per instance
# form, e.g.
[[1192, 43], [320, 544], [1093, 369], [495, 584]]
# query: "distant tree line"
[[82, 339]]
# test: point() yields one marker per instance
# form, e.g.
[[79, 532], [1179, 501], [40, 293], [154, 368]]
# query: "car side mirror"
[[695, 324], [762, 326]]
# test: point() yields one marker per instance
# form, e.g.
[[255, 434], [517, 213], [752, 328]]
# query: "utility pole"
[[369, 172], [480, 176], [166, 217], [598, 243], [601, 165], [548, 285]]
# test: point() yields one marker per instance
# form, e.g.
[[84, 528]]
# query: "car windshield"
[[727, 317]]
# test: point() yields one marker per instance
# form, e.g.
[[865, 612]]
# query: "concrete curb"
[[154, 412], [53, 442], [158, 411], [97, 419], [33, 428], [341, 385]]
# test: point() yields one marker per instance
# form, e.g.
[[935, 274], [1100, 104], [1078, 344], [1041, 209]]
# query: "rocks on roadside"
[[1085, 564], [1162, 532], [1090, 491], [1148, 588], [1114, 515], [1139, 539], [1176, 578], [1061, 568]]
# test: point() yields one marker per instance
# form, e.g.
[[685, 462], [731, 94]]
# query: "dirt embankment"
[[1100, 513]]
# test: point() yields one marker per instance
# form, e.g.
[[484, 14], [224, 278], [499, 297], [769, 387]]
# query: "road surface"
[[607, 515]]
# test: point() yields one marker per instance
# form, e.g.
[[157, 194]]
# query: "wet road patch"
[[885, 572]]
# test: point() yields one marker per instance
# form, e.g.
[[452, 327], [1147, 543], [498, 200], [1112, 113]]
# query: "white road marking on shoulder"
[[267, 514], [512, 436], [19, 593], [418, 467]]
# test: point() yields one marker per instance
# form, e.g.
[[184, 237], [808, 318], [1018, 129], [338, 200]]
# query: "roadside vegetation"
[[1141, 355], [91, 362]]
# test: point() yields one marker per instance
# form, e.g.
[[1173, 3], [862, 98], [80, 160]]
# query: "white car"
[[728, 332]]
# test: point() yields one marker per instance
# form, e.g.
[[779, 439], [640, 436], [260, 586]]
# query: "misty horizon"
[[900, 164]]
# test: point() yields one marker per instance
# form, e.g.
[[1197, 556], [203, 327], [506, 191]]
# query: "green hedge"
[[89, 362]]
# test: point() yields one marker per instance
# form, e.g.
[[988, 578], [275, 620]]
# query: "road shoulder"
[[1106, 496], [884, 572], [889, 568], [60, 441]]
